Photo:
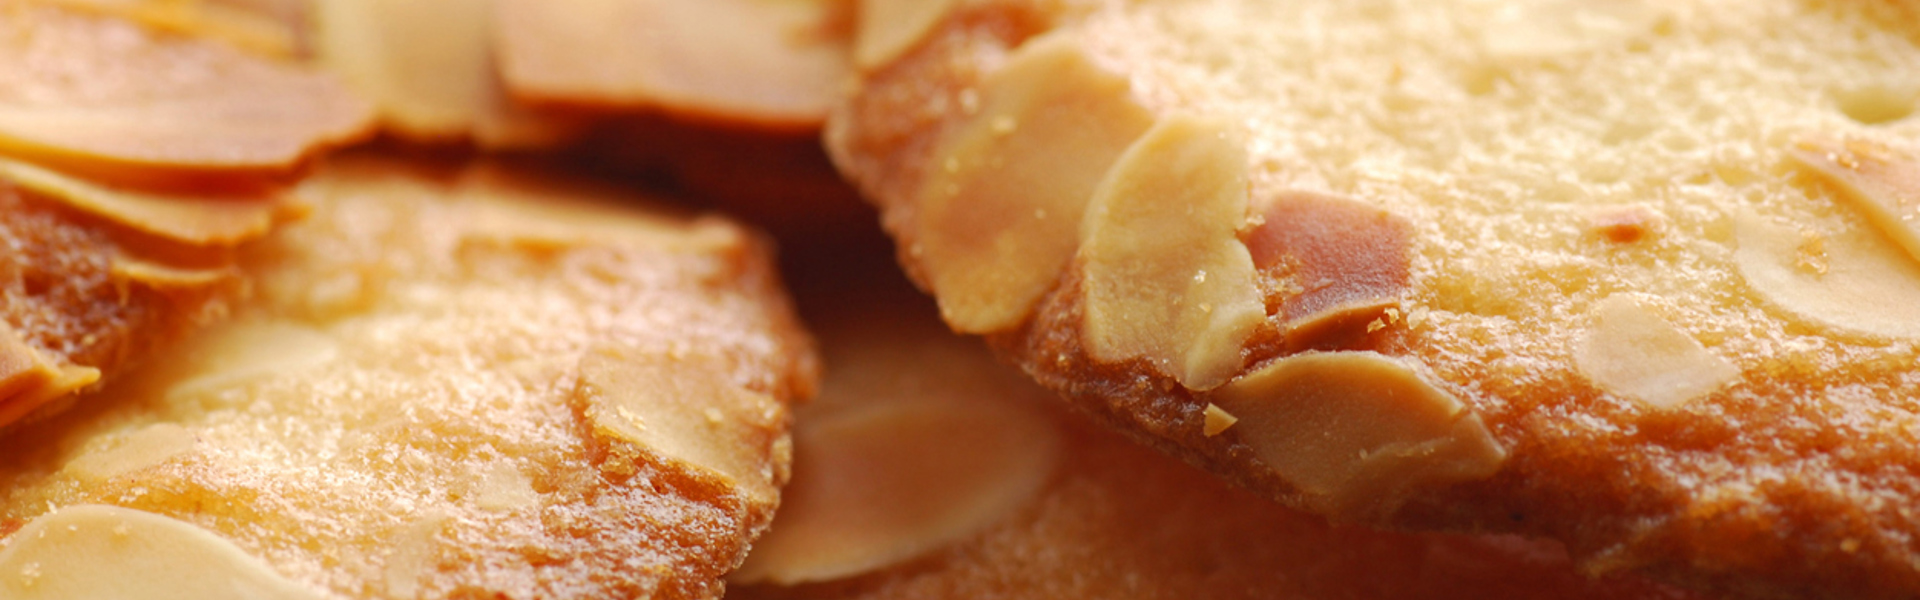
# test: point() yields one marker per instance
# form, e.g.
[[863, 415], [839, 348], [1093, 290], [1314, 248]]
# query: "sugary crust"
[[433, 393], [62, 293], [1608, 477], [1115, 520]]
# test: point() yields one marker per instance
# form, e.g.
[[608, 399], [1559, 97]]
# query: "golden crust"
[[1115, 520], [84, 293], [1621, 483], [443, 387]]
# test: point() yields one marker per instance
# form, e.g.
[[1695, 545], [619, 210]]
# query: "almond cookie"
[[133, 161], [1637, 276], [926, 470], [466, 382]]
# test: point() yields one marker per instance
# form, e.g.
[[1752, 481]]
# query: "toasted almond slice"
[[1164, 276], [1859, 282], [1000, 216], [1358, 432], [96, 92], [888, 481], [249, 30], [412, 556], [201, 218], [683, 409], [236, 353], [1342, 264], [428, 66], [1545, 30], [146, 447], [887, 28], [171, 279], [1631, 351], [1879, 181], [29, 381], [90, 552], [1218, 420], [771, 62]]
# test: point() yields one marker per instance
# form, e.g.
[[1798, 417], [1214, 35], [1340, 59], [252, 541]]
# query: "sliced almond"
[[889, 481], [682, 408], [773, 62], [888, 28], [192, 218], [170, 279], [1631, 351], [237, 353], [1164, 276], [505, 488], [90, 91], [29, 381], [1358, 432], [412, 554], [999, 217], [1879, 181], [91, 552], [1218, 420], [248, 30], [428, 66], [1860, 283], [143, 448], [1545, 30], [1343, 263]]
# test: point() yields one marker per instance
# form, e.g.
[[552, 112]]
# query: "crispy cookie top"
[[1632, 275], [467, 383]]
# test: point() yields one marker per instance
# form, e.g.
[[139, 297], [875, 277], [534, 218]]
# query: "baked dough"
[[1626, 274], [132, 162], [451, 382], [1107, 519]]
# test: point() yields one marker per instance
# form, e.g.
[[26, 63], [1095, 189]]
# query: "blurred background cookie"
[[453, 381]]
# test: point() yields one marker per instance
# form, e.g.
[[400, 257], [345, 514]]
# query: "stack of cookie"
[[1366, 299]]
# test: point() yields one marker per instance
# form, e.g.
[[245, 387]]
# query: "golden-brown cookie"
[[926, 470], [1638, 276], [469, 382], [132, 162]]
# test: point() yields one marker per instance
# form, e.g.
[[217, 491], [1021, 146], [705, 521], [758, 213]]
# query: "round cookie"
[[132, 162], [925, 469], [449, 383], [1635, 276]]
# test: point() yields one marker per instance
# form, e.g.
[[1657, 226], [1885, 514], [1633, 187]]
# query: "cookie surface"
[[451, 383], [926, 469], [1623, 274], [133, 160]]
